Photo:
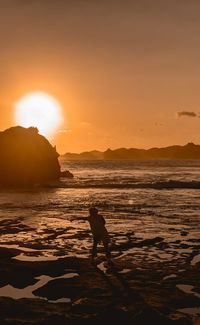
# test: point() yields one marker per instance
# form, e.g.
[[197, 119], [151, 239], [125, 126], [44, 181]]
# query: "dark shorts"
[[103, 239]]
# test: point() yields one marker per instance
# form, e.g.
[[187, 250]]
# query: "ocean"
[[147, 197]]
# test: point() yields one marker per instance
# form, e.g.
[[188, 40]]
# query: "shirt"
[[97, 225]]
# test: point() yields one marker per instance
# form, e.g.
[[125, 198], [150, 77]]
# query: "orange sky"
[[122, 70]]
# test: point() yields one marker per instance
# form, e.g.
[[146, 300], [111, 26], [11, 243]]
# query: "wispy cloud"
[[64, 131], [187, 114]]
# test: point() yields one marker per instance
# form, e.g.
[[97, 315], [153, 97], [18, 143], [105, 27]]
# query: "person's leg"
[[106, 248], [94, 248]]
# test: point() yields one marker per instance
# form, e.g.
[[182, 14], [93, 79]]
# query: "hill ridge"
[[187, 151]]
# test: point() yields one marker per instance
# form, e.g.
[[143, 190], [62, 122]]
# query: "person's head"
[[93, 211]]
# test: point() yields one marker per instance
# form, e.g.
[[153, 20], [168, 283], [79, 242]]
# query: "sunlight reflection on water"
[[50, 220]]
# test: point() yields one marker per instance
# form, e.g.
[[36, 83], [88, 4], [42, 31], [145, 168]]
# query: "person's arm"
[[83, 218], [103, 220]]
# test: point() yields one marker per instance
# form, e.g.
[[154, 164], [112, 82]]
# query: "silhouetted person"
[[99, 231]]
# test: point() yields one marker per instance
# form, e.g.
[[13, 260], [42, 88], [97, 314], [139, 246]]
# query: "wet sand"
[[47, 277]]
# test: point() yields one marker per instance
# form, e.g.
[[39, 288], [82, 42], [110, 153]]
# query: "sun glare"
[[39, 110]]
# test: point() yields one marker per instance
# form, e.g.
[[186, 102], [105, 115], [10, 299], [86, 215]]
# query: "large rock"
[[26, 158]]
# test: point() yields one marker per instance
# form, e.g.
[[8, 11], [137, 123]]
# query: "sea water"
[[148, 197]]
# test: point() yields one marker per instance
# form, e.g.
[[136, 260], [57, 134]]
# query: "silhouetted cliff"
[[189, 151], [86, 155], [26, 158]]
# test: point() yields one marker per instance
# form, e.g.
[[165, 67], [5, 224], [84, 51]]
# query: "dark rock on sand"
[[31, 311], [184, 233], [149, 315], [59, 288], [27, 158], [66, 174], [95, 296], [151, 241]]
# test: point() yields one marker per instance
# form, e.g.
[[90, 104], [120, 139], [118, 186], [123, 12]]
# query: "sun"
[[39, 110]]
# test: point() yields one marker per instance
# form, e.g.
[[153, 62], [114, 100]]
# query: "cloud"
[[187, 113], [64, 131]]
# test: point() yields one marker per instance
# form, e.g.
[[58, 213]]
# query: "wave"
[[103, 184], [170, 184]]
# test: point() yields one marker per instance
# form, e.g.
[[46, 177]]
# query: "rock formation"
[[188, 151], [26, 158]]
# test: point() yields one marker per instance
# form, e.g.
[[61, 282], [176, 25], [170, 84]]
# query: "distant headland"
[[188, 151]]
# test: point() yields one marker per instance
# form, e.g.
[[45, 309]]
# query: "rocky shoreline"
[[149, 281]]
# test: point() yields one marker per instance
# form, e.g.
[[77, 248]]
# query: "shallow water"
[[27, 292], [148, 212], [189, 289]]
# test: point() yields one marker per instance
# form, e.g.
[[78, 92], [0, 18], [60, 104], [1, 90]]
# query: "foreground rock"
[[74, 291], [46, 276], [27, 158]]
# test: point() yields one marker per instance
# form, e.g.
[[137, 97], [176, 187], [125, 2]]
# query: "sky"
[[126, 72]]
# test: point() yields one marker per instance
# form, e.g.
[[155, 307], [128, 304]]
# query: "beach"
[[152, 215]]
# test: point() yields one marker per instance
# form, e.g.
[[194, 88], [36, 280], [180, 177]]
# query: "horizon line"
[[129, 148]]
